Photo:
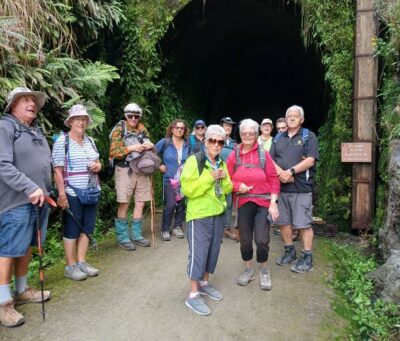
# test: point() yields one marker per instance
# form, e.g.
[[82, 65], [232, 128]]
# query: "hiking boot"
[[177, 232], [138, 239], [211, 292], [304, 263], [129, 246], [198, 305], [74, 272], [265, 280], [165, 236], [288, 257], [31, 295], [246, 277], [89, 270], [9, 317]]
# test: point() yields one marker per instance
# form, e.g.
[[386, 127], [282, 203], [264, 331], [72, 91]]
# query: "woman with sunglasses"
[[205, 182], [256, 187], [174, 149], [130, 136]]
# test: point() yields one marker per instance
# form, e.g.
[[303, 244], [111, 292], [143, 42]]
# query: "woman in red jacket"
[[256, 186]]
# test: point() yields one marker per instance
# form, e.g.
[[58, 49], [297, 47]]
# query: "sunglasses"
[[179, 128], [248, 134], [130, 116], [220, 143], [281, 128], [200, 127]]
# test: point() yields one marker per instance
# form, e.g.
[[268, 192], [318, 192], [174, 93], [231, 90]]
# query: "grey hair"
[[248, 122], [215, 129], [297, 108]]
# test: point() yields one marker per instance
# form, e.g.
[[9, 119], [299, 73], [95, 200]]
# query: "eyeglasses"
[[295, 117], [281, 128], [130, 116], [220, 143], [200, 127], [248, 134], [179, 128]]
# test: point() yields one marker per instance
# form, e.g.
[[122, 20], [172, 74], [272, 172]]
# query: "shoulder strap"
[[238, 159], [17, 127], [201, 160], [92, 143], [261, 157], [305, 136]]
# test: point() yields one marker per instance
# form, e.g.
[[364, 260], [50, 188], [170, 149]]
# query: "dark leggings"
[[253, 219], [171, 207]]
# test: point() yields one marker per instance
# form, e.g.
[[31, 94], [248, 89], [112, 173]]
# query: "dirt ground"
[[140, 296]]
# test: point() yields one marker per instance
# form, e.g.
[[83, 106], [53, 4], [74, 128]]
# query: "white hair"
[[297, 108], [248, 122], [215, 129]]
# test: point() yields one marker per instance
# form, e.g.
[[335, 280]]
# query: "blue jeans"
[[172, 207], [18, 229], [85, 214]]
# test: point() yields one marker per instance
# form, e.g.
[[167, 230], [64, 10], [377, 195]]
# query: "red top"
[[262, 182]]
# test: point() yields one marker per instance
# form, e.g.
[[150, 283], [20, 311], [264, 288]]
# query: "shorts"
[[85, 214], [18, 230], [126, 185], [295, 209]]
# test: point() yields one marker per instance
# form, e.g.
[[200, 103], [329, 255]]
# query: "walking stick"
[[40, 252], [152, 212]]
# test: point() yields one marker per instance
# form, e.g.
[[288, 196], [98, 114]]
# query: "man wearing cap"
[[227, 123], [130, 136], [25, 179], [197, 137], [265, 139]]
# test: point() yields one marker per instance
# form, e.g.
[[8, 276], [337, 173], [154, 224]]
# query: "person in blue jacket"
[[174, 149]]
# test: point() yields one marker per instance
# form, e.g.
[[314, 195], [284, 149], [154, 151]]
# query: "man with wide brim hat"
[[25, 179], [230, 144]]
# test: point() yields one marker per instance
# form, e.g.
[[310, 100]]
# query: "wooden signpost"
[[364, 117]]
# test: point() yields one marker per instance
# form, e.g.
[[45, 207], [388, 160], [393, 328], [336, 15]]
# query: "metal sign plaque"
[[357, 152]]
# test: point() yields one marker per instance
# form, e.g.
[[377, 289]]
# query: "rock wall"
[[387, 276]]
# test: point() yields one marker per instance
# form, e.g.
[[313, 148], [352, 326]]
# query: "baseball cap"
[[227, 119], [267, 120], [199, 122]]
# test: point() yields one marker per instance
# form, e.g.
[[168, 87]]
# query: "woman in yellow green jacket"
[[205, 182]]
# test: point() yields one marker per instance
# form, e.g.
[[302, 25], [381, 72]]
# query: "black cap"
[[227, 120]]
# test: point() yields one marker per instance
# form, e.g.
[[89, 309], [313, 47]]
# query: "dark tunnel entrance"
[[244, 58]]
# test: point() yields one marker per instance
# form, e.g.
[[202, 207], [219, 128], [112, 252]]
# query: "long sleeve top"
[[263, 180]]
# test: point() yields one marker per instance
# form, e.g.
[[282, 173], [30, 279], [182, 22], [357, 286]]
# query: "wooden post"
[[364, 114]]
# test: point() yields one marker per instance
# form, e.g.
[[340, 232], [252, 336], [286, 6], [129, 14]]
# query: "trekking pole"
[[152, 213], [92, 241], [40, 252]]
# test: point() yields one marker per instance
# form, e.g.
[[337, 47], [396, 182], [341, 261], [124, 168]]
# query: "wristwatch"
[[292, 171], [274, 200]]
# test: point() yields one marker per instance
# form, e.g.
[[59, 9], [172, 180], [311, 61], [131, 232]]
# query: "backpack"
[[304, 137], [261, 158], [19, 129]]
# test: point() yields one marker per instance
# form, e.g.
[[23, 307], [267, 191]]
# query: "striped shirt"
[[79, 157]]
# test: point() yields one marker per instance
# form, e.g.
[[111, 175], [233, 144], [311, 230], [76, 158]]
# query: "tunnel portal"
[[244, 58]]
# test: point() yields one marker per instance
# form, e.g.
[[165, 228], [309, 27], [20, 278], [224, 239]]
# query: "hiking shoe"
[[246, 277], [177, 232], [9, 317], [74, 272], [198, 305], [165, 236], [265, 280], [129, 246], [142, 242], [211, 292], [31, 295], [89, 270], [304, 264], [288, 257]]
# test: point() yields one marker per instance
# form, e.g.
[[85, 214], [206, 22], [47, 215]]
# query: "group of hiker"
[[206, 175]]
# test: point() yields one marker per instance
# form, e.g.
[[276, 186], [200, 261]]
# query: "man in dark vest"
[[295, 152], [25, 179]]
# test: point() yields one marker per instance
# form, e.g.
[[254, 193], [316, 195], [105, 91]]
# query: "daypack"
[[20, 128], [176, 180], [261, 158], [304, 137]]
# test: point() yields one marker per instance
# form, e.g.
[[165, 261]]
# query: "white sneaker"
[[265, 280]]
